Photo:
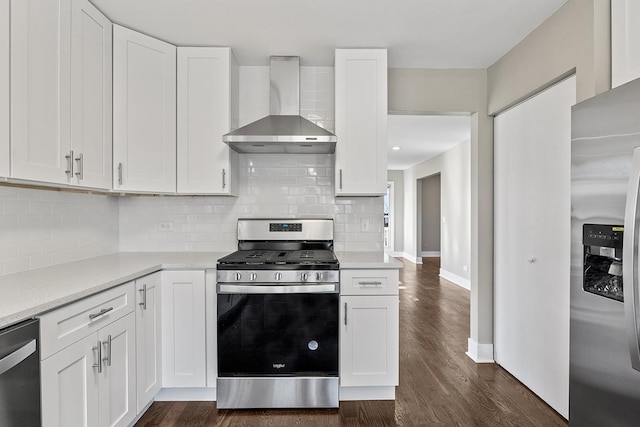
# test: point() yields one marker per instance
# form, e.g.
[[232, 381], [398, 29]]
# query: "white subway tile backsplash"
[[44, 227], [266, 190]]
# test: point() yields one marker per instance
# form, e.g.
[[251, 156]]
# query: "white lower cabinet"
[[148, 338], [183, 329], [92, 382], [369, 333]]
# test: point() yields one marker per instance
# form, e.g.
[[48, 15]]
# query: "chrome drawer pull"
[[100, 313], [372, 283], [98, 348]]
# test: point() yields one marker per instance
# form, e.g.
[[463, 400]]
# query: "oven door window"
[[277, 335]]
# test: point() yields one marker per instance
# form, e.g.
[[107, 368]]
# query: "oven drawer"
[[64, 326], [369, 282]]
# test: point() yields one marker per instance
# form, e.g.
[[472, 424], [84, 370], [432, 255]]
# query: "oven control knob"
[[237, 276], [318, 276], [304, 276], [253, 276], [278, 276], [312, 345]]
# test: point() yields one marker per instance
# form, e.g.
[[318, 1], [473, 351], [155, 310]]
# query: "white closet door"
[[532, 166]]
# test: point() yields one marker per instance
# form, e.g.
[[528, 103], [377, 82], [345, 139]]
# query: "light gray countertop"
[[27, 294], [367, 260]]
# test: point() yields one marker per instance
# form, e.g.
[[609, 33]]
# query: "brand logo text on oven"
[[278, 365]]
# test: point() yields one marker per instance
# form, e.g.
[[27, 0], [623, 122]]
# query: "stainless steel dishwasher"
[[20, 375]]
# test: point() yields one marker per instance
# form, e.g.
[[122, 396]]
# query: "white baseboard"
[[414, 259], [480, 353], [367, 393], [454, 278], [430, 254], [204, 394]]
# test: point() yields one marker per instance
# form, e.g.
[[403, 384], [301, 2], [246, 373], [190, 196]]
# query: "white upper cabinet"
[[60, 93], [91, 96], [4, 88], [625, 41], [207, 109], [361, 122], [144, 113], [40, 90]]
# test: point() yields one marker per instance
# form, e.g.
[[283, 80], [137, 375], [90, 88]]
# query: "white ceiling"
[[417, 33], [423, 137]]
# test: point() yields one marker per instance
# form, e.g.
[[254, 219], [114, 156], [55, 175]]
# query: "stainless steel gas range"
[[278, 309]]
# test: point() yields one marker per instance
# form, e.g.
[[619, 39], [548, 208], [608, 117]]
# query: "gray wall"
[[453, 167], [577, 37], [430, 220], [398, 207], [423, 91]]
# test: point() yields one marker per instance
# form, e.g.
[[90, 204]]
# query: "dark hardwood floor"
[[439, 384]]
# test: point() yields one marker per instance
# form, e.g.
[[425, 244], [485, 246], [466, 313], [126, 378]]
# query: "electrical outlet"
[[165, 226], [364, 224], [465, 268]]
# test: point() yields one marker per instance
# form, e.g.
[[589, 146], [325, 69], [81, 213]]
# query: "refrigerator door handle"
[[630, 261]]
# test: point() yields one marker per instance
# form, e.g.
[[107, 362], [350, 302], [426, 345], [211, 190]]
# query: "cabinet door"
[[117, 385], [70, 386], [40, 90], [625, 41], [361, 122], [144, 113], [4, 88], [148, 339], [369, 341], [204, 114], [91, 95], [183, 329]]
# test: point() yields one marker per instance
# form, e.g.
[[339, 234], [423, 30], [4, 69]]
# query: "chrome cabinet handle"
[[107, 344], [120, 173], [372, 283], [80, 160], [341, 179], [69, 170], [13, 359], [100, 313], [98, 365], [143, 292], [345, 314], [224, 178]]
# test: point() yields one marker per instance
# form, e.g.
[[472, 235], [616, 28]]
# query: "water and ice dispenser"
[[602, 267]]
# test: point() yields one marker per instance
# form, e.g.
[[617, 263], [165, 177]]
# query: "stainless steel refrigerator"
[[604, 370]]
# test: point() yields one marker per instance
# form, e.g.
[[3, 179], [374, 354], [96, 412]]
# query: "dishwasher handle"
[[15, 358]]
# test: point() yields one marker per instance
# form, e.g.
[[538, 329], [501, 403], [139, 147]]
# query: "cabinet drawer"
[[64, 326], [369, 282]]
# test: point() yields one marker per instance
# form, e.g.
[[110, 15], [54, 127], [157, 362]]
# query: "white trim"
[[455, 279], [204, 394], [394, 254], [368, 393], [480, 353], [414, 259], [430, 254]]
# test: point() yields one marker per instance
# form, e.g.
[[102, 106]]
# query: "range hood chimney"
[[283, 130]]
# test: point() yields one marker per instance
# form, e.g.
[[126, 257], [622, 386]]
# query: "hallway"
[[439, 384]]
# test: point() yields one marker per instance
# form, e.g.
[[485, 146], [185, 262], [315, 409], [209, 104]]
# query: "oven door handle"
[[268, 288]]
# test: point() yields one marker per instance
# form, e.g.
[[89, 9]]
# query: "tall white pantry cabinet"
[[625, 41], [61, 90], [144, 113]]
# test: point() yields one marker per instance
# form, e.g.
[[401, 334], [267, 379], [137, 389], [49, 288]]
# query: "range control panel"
[[285, 226]]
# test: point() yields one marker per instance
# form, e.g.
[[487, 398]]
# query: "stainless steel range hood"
[[284, 130]]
